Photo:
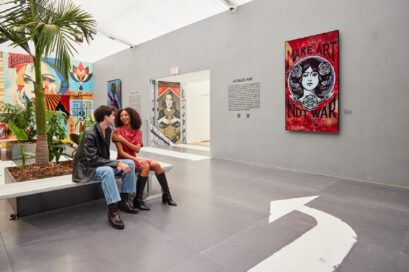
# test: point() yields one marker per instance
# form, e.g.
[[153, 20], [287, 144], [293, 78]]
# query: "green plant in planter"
[[56, 133], [22, 137], [43, 28], [22, 117]]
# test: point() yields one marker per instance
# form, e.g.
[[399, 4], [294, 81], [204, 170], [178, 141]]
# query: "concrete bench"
[[35, 196]]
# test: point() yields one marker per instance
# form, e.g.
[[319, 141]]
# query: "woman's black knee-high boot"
[[166, 196], [138, 200]]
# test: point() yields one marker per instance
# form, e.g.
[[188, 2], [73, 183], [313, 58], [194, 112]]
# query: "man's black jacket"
[[92, 152]]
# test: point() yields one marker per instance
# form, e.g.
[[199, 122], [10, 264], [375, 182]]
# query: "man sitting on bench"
[[92, 162]]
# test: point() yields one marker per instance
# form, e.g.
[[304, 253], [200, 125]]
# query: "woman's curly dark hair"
[[136, 120]]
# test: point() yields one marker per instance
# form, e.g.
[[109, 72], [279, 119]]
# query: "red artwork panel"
[[312, 83], [168, 102]]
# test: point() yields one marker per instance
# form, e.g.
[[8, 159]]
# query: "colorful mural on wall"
[[74, 97], [311, 83], [168, 107]]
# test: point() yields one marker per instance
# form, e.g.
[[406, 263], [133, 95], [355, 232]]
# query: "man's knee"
[[106, 172], [130, 163]]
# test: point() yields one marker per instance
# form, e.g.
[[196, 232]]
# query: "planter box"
[[41, 202], [6, 145], [34, 196]]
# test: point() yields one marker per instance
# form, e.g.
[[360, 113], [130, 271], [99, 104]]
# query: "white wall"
[[373, 143], [197, 111]]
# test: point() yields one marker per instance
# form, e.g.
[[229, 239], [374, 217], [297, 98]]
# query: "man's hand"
[[124, 167]]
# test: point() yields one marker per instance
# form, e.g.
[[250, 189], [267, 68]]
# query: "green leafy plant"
[[56, 133], [22, 117], [22, 137], [20, 134], [20, 122], [50, 27]]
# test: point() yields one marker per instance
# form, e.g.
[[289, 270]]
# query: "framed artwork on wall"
[[168, 110], [312, 83], [114, 95]]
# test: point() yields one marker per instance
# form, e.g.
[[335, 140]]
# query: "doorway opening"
[[181, 111]]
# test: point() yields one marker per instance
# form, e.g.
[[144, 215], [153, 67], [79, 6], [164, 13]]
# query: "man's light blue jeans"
[[106, 175]]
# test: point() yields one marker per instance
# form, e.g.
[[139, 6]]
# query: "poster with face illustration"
[[311, 83], [17, 79], [168, 116]]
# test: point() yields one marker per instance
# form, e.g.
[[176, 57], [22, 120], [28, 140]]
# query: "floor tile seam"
[[336, 178], [372, 184], [263, 180], [266, 211], [281, 247], [349, 215], [175, 238], [171, 236], [40, 231], [358, 200], [7, 253], [214, 262], [364, 239], [41, 237], [200, 254], [254, 225]]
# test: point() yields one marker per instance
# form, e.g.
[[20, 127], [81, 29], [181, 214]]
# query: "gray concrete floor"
[[221, 224]]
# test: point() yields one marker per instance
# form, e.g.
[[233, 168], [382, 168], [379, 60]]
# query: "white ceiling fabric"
[[132, 22]]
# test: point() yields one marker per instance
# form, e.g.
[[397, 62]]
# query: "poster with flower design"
[[312, 83]]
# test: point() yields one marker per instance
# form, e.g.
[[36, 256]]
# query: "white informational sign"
[[244, 95]]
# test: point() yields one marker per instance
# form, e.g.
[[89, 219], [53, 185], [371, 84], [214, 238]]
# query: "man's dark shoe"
[[113, 217], [125, 205]]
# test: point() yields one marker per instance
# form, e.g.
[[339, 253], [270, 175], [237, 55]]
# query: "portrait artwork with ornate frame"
[[168, 106]]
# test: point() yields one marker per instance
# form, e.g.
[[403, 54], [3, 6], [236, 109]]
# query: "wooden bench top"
[[48, 184]]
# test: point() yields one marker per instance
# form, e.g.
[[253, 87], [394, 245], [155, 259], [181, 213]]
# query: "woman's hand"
[[118, 138]]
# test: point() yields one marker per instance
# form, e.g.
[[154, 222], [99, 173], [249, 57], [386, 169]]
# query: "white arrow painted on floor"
[[321, 249]]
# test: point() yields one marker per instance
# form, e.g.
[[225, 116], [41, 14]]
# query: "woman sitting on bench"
[[128, 140]]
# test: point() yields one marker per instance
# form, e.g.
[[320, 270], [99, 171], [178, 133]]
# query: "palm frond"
[[16, 38], [52, 25], [59, 27], [10, 18]]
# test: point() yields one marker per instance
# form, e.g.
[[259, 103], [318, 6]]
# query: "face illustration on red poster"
[[312, 83]]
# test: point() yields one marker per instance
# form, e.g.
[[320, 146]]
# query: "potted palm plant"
[[44, 28]]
